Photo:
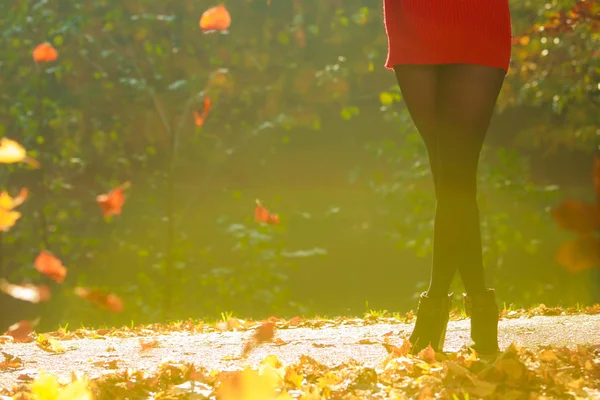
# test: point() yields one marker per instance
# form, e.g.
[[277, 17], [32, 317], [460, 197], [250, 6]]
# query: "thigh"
[[418, 84], [467, 97]]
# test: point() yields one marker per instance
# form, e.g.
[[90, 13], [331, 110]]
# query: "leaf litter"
[[518, 372]]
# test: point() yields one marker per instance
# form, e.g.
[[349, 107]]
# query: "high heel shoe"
[[483, 311], [431, 324]]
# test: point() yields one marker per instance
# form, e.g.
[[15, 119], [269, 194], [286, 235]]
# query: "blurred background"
[[303, 117]]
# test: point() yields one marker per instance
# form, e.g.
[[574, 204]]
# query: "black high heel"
[[432, 321], [484, 313]]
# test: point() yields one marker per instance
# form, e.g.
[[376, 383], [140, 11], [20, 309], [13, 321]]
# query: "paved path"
[[328, 344]]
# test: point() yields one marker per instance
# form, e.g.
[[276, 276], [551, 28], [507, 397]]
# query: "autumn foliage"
[[583, 219]]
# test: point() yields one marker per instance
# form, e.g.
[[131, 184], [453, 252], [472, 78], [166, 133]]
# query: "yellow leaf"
[[76, 390], [12, 152], [293, 378], [547, 355], [50, 345], [45, 387]]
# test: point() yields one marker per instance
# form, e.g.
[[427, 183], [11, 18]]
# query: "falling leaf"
[[199, 118], [101, 299], [578, 217], [50, 345], [21, 330], [262, 215], [215, 19], [264, 333], [12, 152], [50, 266], [8, 217], [26, 292], [44, 52], [112, 202], [579, 254]]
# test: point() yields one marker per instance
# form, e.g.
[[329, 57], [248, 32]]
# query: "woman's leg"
[[420, 89], [419, 85], [467, 97]]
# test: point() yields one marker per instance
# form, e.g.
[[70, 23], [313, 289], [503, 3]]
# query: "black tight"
[[451, 106]]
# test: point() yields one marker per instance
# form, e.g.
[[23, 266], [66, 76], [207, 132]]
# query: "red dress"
[[448, 32]]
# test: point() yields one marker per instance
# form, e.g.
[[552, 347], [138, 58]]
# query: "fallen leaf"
[[50, 345], [50, 266], [149, 344], [10, 362], [12, 152], [107, 301], [21, 330], [26, 292], [112, 202], [398, 351], [44, 52], [262, 215], [215, 19], [427, 354]]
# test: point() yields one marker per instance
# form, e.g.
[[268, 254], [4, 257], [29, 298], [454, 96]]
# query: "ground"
[[543, 355]]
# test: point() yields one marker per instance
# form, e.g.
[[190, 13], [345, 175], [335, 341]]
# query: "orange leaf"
[[580, 254], [215, 19], [50, 266], [261, 214], [101, 299], [149, 344], [596, 172], [427, 354], [26, 292], [199, 118], [20, 331], [398, 351], [262, 334], [44, 52], [112, 202], [578, 217]]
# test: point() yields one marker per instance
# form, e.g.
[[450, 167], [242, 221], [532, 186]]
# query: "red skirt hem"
[[427, 32]]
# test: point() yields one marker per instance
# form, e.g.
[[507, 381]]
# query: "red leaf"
[[21, 330], [112, 202], [101, 299], [578, 217], [215, 19], [261, 214], [580, 254], [50, 266], [26, 292], [44, 52]]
